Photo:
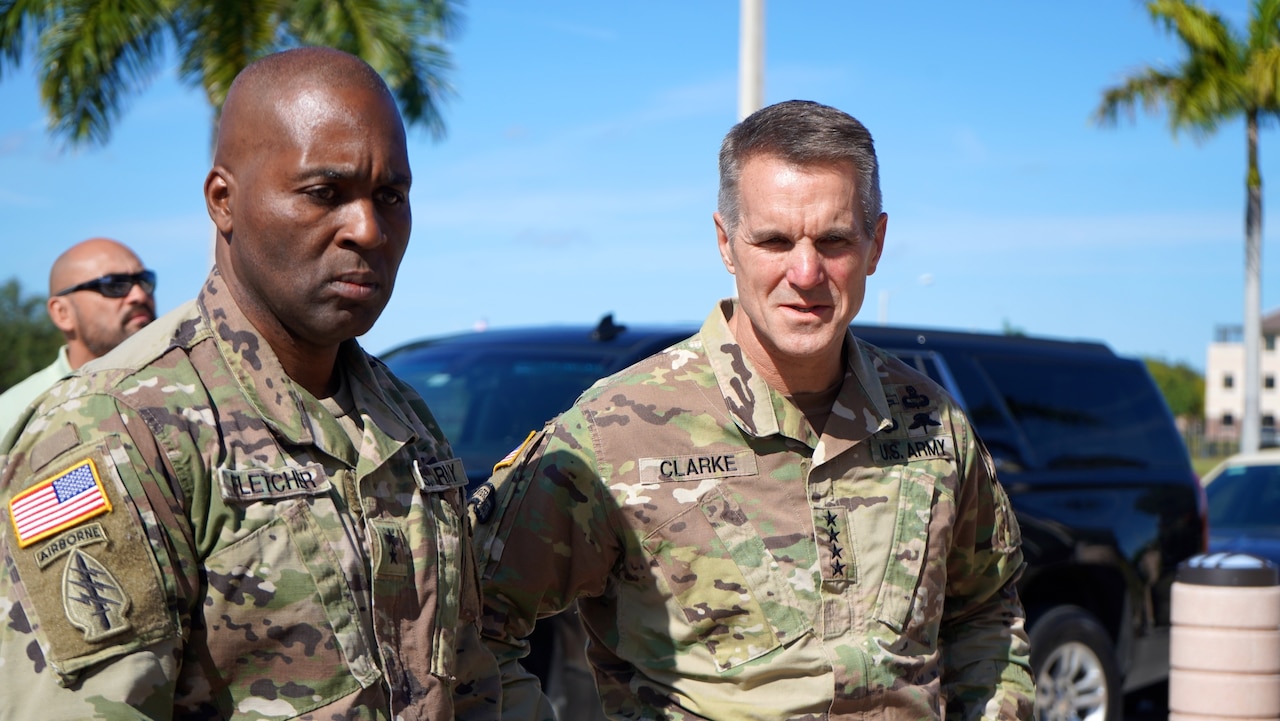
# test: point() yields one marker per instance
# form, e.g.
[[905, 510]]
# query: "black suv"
[[1083, 442]]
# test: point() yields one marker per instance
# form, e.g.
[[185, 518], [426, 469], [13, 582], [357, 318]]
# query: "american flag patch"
[[511, 457], [58, 503]]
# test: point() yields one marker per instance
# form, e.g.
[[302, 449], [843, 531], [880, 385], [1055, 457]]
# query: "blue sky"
[[578, 175]]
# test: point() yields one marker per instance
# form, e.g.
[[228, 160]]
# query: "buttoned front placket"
[[384, 496], [297, 427]]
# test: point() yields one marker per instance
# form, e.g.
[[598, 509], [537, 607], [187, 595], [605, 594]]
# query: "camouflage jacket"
[[729, 563], [192, 535]]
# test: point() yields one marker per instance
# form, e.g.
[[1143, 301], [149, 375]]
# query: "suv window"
[[1069, 415], [487, 402], [1076, 417]]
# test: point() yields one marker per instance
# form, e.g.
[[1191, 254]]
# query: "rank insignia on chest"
[[58, 503], [835, 544], [392, 557]]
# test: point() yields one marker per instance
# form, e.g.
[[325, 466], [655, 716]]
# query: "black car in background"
[[1082, 440]]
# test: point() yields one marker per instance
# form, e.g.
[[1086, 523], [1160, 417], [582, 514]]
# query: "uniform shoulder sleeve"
[[93, 572], [543, 539], [986, 669]]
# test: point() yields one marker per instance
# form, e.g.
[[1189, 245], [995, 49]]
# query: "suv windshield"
[[487, 401], [1244, 497]]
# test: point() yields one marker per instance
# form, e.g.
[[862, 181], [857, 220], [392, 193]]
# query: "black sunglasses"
[[116, 285]]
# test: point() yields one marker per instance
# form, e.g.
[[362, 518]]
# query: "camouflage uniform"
[[246, 558], [732, 564]]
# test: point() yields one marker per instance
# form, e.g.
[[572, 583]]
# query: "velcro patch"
[[439, 476], [482, 502], [86, 535], [58, 503], [887, 451], [915, 412], [515, 452], [95, 588], [94, 601], [247, 485], [697, 467], [392, 556]]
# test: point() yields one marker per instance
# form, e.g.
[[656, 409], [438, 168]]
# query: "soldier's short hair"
[[801, 132]]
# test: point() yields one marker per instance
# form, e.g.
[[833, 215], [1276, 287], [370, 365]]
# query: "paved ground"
[[1149, 704]]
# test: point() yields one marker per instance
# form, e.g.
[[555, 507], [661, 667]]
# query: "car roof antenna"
[[607, 330]]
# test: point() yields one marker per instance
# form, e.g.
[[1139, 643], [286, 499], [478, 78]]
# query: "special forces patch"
[[93, 599]]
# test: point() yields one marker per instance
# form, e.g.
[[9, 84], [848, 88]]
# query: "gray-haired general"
[[771, 520]]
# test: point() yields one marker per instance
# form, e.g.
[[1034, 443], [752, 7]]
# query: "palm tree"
[[1223, 76], [94, 54]]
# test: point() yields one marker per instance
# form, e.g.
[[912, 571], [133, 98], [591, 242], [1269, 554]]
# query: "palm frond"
[[19, 21], [92, 57], [218, 40], [1264, 24], [1210, 84], [1203, 32], [1149, 88], [96, 53], [403, 41]]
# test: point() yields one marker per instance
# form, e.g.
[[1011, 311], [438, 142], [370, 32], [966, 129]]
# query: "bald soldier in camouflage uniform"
[[771, 519], [239, 513]]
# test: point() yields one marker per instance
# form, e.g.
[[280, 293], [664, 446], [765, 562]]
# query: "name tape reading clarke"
[[697, 467]]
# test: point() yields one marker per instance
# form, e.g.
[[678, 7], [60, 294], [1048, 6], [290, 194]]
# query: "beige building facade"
[[1224, 382]]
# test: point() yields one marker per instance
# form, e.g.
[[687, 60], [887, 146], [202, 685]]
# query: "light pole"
[[750, 57]]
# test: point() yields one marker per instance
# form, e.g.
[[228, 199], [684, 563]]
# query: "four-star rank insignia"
[[835, 546]]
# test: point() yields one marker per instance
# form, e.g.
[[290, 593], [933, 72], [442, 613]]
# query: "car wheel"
[[1075, 667]]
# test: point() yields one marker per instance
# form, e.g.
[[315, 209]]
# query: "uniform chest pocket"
[[890, 517], [438, 535], [729, 592], [280, 610]]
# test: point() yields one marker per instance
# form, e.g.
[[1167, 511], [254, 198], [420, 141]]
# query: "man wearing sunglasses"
[[99, 294]]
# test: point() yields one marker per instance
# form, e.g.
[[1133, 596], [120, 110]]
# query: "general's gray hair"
[[801, 132]]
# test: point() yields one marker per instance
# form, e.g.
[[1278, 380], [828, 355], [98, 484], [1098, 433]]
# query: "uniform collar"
[[290, 411], [63, 362], [860, 408]]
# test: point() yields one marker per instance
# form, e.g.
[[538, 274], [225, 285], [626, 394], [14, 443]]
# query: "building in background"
[[1224, 379]]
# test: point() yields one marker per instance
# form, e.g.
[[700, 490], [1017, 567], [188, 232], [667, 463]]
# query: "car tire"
[[1077, 678]]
